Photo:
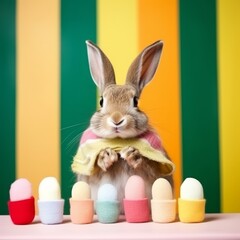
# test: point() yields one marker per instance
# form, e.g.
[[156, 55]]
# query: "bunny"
[[120, 118]]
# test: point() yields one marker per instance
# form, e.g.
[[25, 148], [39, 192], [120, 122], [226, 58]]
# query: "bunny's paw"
[[132, 156], [106, 158]]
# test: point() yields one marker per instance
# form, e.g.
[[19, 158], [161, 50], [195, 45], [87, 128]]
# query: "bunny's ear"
[[100, 67], [144, 66]]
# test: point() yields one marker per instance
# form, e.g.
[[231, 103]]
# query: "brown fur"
[[118, 117]]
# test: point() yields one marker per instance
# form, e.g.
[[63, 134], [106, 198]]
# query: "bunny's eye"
[[101, 101], [135, 101]]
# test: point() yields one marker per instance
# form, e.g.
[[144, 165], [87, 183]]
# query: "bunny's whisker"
[[75, 125], [75, 140]]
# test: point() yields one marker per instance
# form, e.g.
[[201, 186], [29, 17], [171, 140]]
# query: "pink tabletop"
[[215, 226]]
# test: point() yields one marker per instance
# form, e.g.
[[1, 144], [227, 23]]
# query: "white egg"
[[49, 189], [191, 189]]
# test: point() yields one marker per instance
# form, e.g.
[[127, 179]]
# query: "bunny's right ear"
[[100, 67]]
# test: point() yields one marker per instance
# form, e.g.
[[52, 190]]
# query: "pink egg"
[[135, 188], [20, 189]]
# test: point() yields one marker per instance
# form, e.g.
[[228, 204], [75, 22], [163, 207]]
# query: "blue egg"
[[107, 192]]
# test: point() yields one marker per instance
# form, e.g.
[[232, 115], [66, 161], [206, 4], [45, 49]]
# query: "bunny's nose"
[[118, 123], [117, 119]]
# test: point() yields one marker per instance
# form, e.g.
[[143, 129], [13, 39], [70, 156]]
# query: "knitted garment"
[[148, 144]]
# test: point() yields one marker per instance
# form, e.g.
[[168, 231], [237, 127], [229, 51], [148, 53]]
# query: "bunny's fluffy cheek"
[[125, 130], [119, 125]]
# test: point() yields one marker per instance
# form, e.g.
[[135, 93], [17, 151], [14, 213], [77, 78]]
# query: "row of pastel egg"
[[162, 207]]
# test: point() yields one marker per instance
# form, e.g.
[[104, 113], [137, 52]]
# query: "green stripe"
[[200, 147], [78, 92], [7, 99]]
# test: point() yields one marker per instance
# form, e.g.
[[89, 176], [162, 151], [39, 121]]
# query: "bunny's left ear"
[[144, 66]]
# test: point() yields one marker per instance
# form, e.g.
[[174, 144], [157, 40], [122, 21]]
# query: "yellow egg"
[[162, 190], [81, 191]]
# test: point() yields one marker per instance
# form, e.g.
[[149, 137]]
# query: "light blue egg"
[[107, 192]]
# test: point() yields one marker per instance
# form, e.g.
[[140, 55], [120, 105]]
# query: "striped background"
[[47, 95]]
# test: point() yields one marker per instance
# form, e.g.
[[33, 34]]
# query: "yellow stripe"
[[158, 19], [37, 90], [229, 107], [117, 33]]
